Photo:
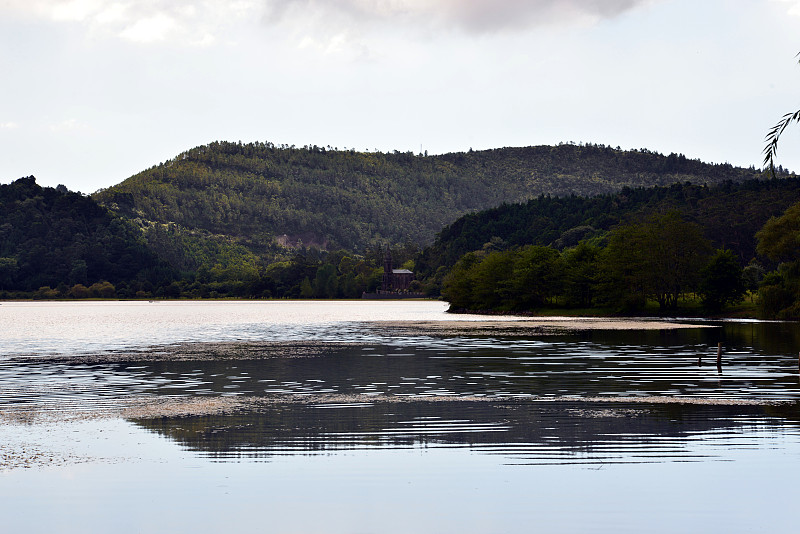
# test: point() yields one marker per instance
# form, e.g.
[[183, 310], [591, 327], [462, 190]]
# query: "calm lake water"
[[386, 429]]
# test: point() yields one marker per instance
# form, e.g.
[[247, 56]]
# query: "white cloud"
[[792, 7], [75, 10], [149, 30], [111, 15], [189, 22], [69, 125], [8, 125], [333, 26]]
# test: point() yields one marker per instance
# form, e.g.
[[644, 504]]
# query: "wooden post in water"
[[719, 356]]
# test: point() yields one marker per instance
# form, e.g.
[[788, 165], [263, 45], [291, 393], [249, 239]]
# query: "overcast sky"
[[93, 91]]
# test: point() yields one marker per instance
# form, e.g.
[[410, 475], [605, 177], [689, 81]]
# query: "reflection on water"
[[583, 433], [592, 364]]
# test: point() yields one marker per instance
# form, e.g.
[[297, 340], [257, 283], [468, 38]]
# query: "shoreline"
[[544, 325], [735, 312]]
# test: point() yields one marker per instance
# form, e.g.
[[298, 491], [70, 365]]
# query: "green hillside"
[[686, 248], [266, 197], [730, 214], [57, 244], [53, 238]]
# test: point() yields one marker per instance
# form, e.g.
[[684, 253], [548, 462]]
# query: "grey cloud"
[[488, 16]]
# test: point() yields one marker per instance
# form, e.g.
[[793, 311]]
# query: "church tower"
[[387, 280]]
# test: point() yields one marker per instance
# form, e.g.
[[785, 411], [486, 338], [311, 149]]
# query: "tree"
[[79, 291], [678, 252], [721, 281], [306, 291], [658, 259], [537, 277], [8, 269], [106, 290], [324, 286], [752, 275], [580, 274], [506, 280], [78, 272], [623, 268], [779, 240], [457, 285], [491, 278]]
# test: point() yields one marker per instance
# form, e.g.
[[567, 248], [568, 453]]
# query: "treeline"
[[55, 244], [260, 194], [661, 259], [729, 215], [779, 241], [309, 274], [56, 240], [664, 259]]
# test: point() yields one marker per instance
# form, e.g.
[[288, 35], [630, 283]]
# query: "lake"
[[391, 416]]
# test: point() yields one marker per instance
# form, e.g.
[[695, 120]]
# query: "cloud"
[[365, 29], [792, 6], [487, 16], [151, 29], [475, 16], [331, 26], [10, 125], [189, 22], [69, 125]]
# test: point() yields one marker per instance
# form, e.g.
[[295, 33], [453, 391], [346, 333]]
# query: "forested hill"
[[53, 237], [346, 199], [729, 214]]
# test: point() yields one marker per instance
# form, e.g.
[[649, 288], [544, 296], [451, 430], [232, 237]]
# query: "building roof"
[[401, 271]]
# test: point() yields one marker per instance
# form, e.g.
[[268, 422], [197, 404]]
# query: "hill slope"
[[51, 237], [730, 214], [263, 195]]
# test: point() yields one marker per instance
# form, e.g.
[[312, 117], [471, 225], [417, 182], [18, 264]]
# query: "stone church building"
[[394, 280]]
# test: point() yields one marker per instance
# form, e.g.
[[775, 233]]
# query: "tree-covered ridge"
[[347, 199], [729, 214], [58, 244], [53, 237], [664, 259]]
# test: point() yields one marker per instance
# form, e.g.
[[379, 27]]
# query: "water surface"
[[380, 429]]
